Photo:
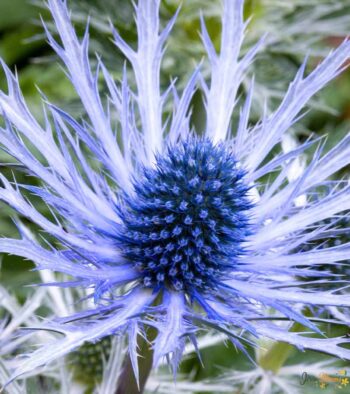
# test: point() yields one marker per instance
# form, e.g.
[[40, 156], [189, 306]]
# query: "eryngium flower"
[[168, 227]]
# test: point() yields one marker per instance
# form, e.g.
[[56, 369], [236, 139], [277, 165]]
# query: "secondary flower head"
[[167, 226]]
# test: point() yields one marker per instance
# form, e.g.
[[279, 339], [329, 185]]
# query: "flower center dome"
[[186, 222]]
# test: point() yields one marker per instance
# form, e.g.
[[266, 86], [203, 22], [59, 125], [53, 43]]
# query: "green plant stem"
[[127, 383], [277, 355], [275, 358]]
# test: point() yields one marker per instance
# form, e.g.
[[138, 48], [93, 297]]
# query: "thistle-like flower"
[[167, 226]]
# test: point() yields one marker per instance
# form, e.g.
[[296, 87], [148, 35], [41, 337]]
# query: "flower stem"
[[127, 383], [275, 358], [278, 354]]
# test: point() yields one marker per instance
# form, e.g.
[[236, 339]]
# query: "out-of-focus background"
[[295, 28]]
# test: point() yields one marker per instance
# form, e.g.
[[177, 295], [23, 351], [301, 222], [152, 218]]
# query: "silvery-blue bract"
[[168, 227]]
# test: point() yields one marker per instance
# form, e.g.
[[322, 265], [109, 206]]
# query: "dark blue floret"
[[186, 222]]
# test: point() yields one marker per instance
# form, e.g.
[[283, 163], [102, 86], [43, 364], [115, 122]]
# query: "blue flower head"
[[176, 229], [186, 221]]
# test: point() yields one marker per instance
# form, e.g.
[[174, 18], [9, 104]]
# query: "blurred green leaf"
[[15, 12]]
